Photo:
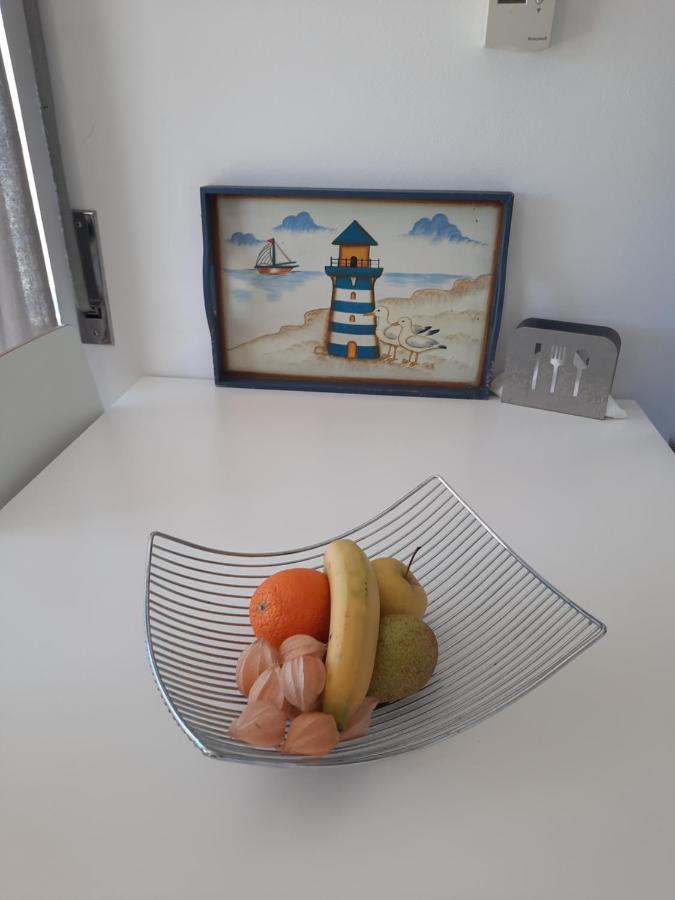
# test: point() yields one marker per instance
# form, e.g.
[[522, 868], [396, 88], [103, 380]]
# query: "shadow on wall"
[[95, 123], [573, 20], [539, 280], [545, 282]]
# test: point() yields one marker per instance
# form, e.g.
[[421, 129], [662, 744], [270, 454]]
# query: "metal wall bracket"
[[93, 313]]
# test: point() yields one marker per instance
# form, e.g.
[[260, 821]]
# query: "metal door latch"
[[93, 312]]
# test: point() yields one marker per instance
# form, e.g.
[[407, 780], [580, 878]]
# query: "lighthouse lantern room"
[[353, 273]]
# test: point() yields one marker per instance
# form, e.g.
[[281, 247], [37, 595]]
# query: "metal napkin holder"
[[561, 366]]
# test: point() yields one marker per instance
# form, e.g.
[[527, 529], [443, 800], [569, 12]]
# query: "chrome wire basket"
[[501, 628]]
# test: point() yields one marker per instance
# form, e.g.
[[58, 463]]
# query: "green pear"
[[405, 659]]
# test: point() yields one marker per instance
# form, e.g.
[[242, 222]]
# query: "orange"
[[295, 601]]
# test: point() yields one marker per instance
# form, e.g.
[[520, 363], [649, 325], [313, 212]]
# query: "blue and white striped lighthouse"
[[353, 273]]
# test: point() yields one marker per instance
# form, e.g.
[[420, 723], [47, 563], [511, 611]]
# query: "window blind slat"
[[26, 307]]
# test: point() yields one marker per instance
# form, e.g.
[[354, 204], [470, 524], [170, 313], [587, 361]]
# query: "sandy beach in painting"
[[458, 313]]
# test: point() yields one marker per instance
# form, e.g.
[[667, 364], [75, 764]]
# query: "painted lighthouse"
[[353, 273]]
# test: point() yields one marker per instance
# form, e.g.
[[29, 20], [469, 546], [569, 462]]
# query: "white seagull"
[[416, 342], [388, 332]]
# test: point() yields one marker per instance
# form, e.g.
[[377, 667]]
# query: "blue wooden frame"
[[211, 300]]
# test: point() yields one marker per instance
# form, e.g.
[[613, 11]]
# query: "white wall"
[[47, 398], [156, 97]]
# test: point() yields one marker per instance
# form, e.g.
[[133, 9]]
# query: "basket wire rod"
[[164, 617], [240, 610], [212, 638], [442, 689], [398, 538], [485, 709], [169, 584], [487, 677], [203, 657], [202, 689], [463, 596], [462, 546], [223, 710], [516, 675], [172, 665], [424, 716], [224, 619], [189, 706], [458, 537], [254, 576], [281, 555], [474, 617], [471, 612], [459, 576], [191, 638]]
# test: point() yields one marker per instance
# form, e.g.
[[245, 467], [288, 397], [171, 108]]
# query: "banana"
[[354, 625]]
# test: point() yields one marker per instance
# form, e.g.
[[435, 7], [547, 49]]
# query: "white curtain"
[[26, 307]]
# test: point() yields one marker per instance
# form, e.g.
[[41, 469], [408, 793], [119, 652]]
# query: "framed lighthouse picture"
[[394, 292]]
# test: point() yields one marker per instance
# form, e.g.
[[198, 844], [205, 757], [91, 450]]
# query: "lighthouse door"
[[351, 350]]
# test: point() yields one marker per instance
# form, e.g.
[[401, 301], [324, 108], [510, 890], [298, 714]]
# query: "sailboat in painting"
[[273, 261]]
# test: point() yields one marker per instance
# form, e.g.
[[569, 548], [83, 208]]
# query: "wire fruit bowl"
[[501, 628]]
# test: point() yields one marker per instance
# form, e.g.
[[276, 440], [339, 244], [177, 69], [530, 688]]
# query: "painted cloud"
[[300, 222], [439, 228], [243, 239]]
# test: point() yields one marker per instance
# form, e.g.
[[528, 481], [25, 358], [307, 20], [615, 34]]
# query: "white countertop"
[[569, 793]]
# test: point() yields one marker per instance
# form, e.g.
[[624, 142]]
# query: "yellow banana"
[[354, 625]]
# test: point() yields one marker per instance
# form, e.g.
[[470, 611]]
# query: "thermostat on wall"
[[519, 24]]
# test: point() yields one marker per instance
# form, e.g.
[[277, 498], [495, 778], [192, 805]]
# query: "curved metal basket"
[[501, 628]]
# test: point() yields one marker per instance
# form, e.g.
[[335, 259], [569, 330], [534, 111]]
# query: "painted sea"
[[263, 304]]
